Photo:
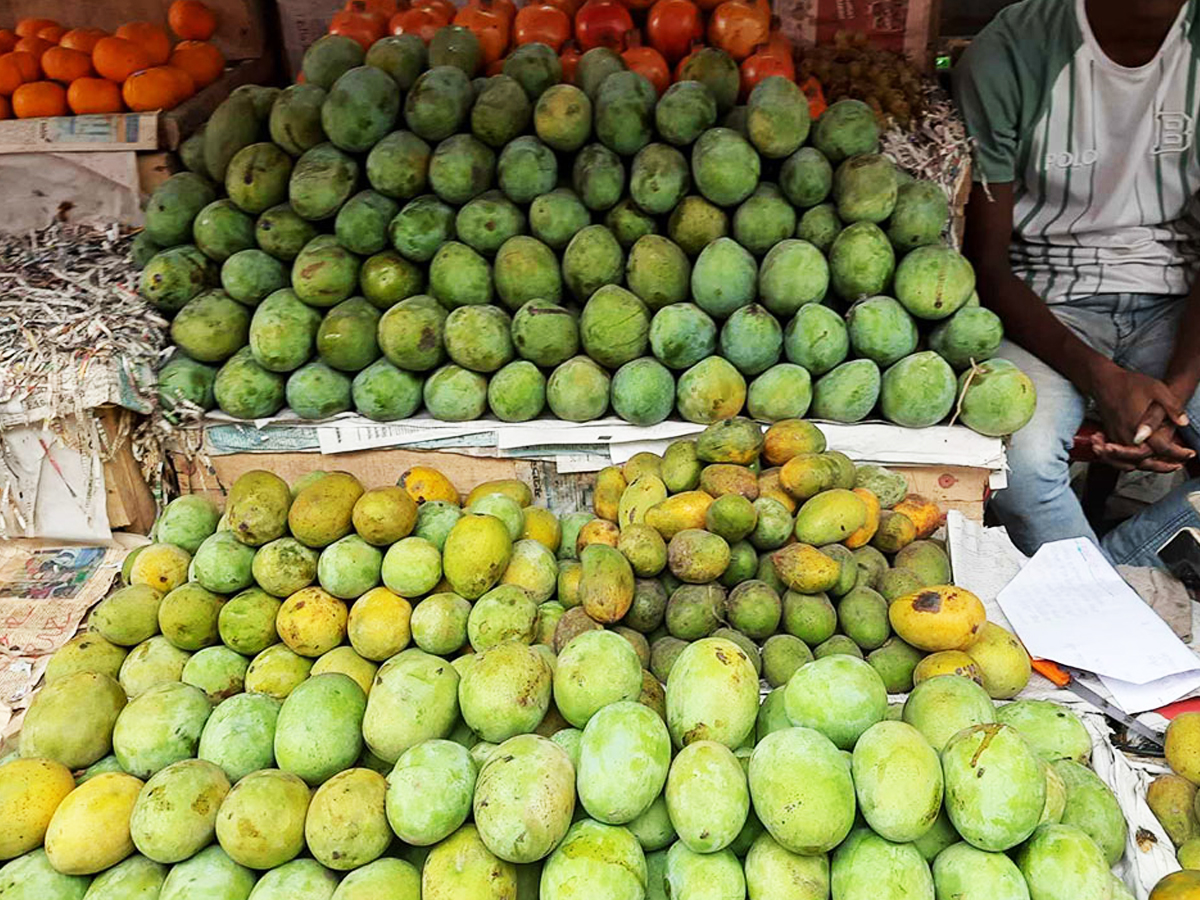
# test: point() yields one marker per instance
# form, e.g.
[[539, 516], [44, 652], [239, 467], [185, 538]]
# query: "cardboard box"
[[241, 32], [300, 22]]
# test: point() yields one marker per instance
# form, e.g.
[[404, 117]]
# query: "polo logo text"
[[1065, 159]]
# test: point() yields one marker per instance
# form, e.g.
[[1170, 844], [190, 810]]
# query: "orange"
[[94, 95], [83, 39], [29, 27], [52, 33], [61, 64], [151, 89], [191, 20], [5, 108], [27, 64], [185, 84], [8, 39], [38, 99], [152, 39], [34, 46], [116, 58], [11, 76], [202, 61]]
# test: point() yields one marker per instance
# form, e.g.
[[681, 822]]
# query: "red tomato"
[[671, 27], [570, 7], [445, 7], [542, 23], [421, 21], [487, 22], [737, 27], [647, 62], [356, 20], [602, 23], [569, 57], [763, 63]]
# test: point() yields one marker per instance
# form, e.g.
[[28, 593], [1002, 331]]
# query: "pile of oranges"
[[47, 69]]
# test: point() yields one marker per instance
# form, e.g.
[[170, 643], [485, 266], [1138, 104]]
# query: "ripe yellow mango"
[[947, 662], [90, 829], [943, 617], [424, 483], [680, 512], [863, 535], [30, 792], [513, 488], [606, 496]]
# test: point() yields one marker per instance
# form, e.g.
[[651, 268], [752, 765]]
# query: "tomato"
[[507, 9], [602, 23], [569, 57], [816, 97], [737, 27], [542, 23], [671, 27], [421, 21], [358, 23], [447, 9], [488, 23], [385, 8], [763, 63], [647, 62], [779, 43]]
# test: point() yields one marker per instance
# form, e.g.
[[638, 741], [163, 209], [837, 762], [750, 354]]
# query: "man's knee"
[[1039, 464]]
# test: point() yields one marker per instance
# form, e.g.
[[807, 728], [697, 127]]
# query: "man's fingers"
[[1171, 403], [1149, 423], [1124, 452], [1165, 448], [1161, 466]]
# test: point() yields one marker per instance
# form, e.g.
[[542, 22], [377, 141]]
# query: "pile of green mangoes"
[[391, 234], [332, 693]]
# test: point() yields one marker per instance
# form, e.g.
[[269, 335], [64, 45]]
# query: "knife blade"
[[1068, 678]]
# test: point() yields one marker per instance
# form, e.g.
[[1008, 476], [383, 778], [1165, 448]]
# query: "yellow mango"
[[605, 584], [311, 622], [862, 536], [606, 496], [807, 474], [30, 792], [830, 517], [542, 526], [770, 486], [895, 532], [425, 483], [726, 478], [789, 438], [161, 566], [378, 624], [569, 573], [89, 831], [344, 661], [597, 531], [805, 569], [323, 511], [680, 512], [947, 662], [513, 488], [384, 515], [1183, 746], [924, 513], [643, 463], [944, 617], [1003, 662], [641, 495]]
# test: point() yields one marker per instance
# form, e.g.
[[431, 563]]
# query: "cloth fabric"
[[1137, 331], [1103, 158]]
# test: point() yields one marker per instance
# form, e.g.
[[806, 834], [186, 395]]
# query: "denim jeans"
[[1137, 331]]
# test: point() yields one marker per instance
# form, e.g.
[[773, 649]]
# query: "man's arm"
[[1124, 398]]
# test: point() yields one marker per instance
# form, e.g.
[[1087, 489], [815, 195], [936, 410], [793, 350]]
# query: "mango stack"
[[333, 693], [392, 234]]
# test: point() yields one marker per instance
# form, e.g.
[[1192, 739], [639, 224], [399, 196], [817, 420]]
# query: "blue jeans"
[[1137, 331]]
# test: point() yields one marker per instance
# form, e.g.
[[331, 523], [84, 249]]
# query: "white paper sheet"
[[984, 560], [1070, 605], [1138, 698]]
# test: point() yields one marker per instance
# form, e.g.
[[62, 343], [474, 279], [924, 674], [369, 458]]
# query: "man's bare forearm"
[[1029, 322]]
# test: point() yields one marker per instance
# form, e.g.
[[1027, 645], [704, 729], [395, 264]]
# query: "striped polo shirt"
[[1103, 158]]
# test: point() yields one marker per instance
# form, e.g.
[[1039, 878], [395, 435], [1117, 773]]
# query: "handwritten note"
[[1070, 605]]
